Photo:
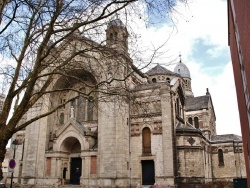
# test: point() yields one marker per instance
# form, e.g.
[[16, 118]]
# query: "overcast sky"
[[200, 35]]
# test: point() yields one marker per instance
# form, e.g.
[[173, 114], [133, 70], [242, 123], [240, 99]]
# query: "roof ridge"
[[159, 69]]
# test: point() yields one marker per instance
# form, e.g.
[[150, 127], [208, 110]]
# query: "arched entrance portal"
[[73, 147]]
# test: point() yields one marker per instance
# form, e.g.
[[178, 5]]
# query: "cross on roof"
[[180, 57]]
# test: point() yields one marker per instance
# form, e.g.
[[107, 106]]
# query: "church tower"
[[183, 71], [117, 35]]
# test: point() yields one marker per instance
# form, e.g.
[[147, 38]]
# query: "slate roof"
[[226, 137], [197, 103], [158, 69], [147, 86], [186, 128]]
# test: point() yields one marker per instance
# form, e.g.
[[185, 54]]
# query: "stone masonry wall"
[[234, 164]]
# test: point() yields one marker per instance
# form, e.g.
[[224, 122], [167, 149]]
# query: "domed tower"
[[183, 71], [117, 35]]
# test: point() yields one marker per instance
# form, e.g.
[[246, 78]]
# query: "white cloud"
[[216, 51], [226, 103]]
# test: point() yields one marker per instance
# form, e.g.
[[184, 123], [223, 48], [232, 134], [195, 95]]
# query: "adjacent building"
[[239, 37], [5, 163], [5, 167], [154, 131]]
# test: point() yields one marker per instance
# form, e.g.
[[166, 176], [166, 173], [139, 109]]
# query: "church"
[[155, 131]]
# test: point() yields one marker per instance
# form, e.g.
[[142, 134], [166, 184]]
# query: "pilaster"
[[53, 167], [113, 138], [167, 135]]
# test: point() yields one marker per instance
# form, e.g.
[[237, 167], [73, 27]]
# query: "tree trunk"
[[2, 5], [3, 144]]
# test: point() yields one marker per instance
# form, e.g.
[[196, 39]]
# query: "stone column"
[[53, 167], [106, 139], [113, 141], [59, 168], [85, 167], [35, 143], [85, 170], [31, 145], [167, 135]]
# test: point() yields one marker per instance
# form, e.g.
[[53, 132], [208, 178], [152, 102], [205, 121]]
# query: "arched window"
[[146, 141], [177, 107], [190, 120], [154, 80], [111, 37], [90, 108], [115, 36], [61, 118], [196, 122], [220, 157], [81, 108], [124, 36], [168, 80]]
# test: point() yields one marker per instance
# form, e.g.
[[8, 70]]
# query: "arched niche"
[[76, 97], [73, 77], [71, 145]]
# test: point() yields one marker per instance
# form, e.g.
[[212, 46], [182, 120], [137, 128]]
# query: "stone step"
[[69, 186]]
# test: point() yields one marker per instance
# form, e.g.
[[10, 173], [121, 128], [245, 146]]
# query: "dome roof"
[[159, 70], [182, 70], [116, 22]]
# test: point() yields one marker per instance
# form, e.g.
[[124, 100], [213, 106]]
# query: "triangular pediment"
[[72, 124]]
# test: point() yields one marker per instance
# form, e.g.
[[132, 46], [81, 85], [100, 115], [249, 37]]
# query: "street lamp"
[[14, 146]]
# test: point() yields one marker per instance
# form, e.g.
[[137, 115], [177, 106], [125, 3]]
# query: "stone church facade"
[[157, 133]]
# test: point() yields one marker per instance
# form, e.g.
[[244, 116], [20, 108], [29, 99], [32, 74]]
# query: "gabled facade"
[[141, 138]]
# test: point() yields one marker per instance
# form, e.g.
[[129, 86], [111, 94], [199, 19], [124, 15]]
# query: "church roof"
[[182, 70], [186, 128], [146, 86], [226, 137], [158, 69], [197, 103]]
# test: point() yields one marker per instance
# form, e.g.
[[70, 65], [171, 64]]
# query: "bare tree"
[[34, 44]]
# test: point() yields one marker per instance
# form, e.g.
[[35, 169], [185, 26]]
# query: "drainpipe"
[[129, 139]]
